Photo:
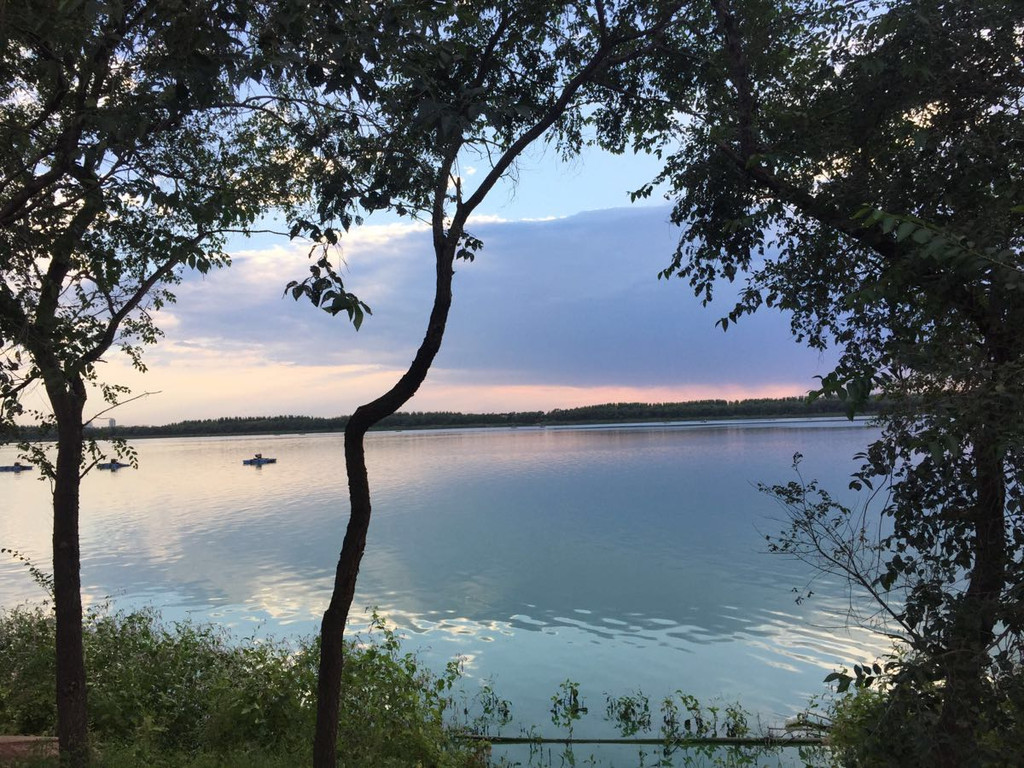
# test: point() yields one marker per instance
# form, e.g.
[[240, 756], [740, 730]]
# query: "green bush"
[[894, 726], [27, 672], [161, 694]]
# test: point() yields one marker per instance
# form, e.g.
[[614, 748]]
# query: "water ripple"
[[622, 558]]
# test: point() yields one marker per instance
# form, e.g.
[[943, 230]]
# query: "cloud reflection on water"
[[623, 558]]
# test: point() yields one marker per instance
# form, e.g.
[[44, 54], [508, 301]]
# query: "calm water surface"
[[625, 558]]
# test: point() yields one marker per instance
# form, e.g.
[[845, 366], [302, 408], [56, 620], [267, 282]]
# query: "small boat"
[[113, 466], [259, 460], [16, 467]]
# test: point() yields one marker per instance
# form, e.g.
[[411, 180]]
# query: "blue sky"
[[561, 308]]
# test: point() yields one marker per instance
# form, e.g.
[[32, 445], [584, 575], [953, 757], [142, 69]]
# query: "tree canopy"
[[126, 155], [860, 165], [440, 84], [129, 148]]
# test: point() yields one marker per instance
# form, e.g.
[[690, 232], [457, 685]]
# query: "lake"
[[625, 557]]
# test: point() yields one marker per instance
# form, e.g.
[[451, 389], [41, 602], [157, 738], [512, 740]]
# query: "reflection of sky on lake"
[[622, 558]]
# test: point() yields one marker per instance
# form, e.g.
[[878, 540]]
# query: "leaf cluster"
[[859, 167], [128, 151], [894, 720]]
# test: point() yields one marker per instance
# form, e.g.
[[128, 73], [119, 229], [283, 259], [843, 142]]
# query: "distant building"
[[112, 423]]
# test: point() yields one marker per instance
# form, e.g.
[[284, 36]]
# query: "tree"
[[126, 155], [442, 83], [861, 164]]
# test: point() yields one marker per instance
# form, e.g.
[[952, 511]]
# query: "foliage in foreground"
[[892, 722], [179, 694], [891, 713], [679, 731], [186, 693], [857, 165]]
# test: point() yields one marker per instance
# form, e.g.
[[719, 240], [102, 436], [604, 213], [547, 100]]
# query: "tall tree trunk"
[[332, 628], [72, 712], [447, 235], [973, 630]]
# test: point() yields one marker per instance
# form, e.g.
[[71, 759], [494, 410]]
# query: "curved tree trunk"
[[447, 235], [336, 616]]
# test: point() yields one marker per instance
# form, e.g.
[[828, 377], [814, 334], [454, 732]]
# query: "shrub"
[[894, 726], [158, 692], [27, 672]]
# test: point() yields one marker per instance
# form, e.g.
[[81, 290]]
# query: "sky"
[[561, 308]]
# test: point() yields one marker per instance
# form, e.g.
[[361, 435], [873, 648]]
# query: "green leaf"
[[905, 230], [922, 235]]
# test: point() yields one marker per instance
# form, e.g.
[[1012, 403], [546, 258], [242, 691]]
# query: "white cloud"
[[485, 218], [551, 313]]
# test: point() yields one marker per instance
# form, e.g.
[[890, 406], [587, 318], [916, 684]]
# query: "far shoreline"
[[694, 413], [747, 421]]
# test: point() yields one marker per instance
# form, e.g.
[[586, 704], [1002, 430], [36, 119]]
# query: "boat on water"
[[113, 466], [15, 467], [259, 460]]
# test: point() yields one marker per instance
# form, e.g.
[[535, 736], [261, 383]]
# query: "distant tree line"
[[611, 413], [764, 407]]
